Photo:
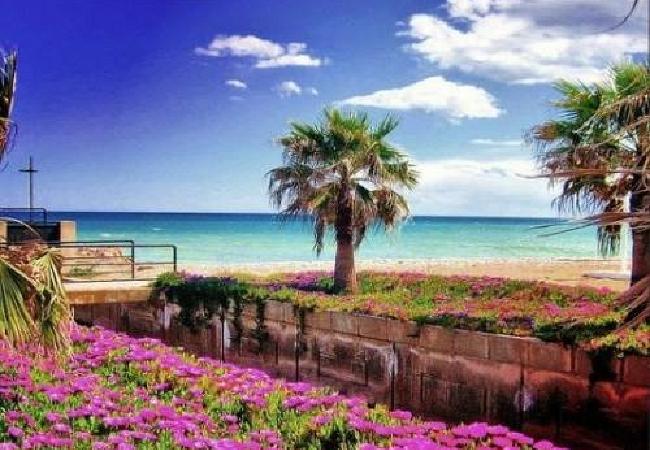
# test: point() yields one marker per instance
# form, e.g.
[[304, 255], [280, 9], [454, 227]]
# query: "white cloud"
[[288, 88], [526, 41], [434, 94], [267, 54], [498, 187], [237, 84], [497, 142]]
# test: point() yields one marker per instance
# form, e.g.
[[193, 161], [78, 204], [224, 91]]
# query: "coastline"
[[576, 271]]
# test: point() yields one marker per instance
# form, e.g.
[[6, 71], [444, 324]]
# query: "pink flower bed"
[[118, 392]]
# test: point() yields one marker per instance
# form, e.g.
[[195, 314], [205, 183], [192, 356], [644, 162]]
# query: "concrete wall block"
[[548, 356], [436, 338], [373, 327], [344, 323], [288, 313], [318, 320], [273, 311], [549, 387], [471, 343], [510, 349], [637, 370], [67, 230], [467, 402], [487, 373], [403, 332]]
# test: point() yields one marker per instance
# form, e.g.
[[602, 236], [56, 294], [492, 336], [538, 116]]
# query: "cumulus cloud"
[[526, 41], [435, 94], [237, 84], [265, 53], [289, 88], [456, 186]]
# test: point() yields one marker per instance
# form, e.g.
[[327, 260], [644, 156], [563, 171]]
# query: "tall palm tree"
[[565, 155], [595, 156], [345, 176], [600, 150]]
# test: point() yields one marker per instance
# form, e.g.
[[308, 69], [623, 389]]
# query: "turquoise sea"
[[258, 238]]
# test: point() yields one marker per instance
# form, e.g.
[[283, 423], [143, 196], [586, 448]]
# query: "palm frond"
[[53, 315], [16, 324]]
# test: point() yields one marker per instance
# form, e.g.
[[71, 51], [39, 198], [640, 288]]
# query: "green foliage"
[[200, 298], [82, 272]]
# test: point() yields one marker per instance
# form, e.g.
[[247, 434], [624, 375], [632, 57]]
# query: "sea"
[[234, 238]]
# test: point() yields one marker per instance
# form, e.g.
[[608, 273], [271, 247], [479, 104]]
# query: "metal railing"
[[25, 214], [113, 260]]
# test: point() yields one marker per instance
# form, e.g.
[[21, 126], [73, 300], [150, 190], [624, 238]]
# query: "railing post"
[[175, 252], [132, 260]]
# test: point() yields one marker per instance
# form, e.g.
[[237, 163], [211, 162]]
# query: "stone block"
[[402, 331], [288, 313], [318, 320], [436, 338], [508, 349], [548, 356], [373, 327], [467, 402], [637, 370], [549, 387], [273, 311], [344, 323], [471, 343], [67, 230]]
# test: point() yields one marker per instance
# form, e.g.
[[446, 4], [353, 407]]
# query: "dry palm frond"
[[8, 65], [16, 324], [53, 312]]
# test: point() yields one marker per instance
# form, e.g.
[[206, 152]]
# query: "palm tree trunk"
[[640, 202], [345, 276]]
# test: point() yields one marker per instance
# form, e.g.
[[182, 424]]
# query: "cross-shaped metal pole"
[[31, 171]]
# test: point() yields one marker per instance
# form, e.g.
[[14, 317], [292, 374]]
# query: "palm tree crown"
[[343, 174]]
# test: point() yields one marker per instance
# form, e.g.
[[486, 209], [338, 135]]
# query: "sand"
[[569, 272]]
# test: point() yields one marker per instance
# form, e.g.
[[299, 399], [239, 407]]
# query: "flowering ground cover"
[[118, 392], [556, 313]]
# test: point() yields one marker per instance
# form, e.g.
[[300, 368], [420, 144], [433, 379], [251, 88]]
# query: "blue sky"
[[161, 105]]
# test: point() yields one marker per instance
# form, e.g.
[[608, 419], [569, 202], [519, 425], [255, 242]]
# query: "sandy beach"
[[587, 272]]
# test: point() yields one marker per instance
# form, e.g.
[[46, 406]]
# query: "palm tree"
[[345, 176], [595, 157], [599, 149], [565, 155], [32, 298]]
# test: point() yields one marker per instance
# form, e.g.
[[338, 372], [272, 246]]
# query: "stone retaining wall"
[[430, 370]]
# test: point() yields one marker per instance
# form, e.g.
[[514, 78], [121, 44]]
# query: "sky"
[[176, 105]]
